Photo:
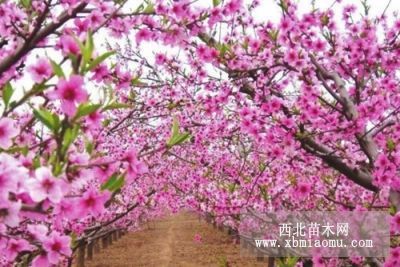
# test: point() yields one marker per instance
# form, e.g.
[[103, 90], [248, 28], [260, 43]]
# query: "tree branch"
[[31, 42], [360, 177]]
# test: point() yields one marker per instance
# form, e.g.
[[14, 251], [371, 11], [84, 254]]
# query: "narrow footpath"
[[170, 242]]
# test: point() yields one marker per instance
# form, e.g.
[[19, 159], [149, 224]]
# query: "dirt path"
[[166, 249], [170, 242]]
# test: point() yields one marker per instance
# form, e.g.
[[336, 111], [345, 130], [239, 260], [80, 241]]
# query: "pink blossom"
[[160, 58], [318, 261], [397, 25], [45, 186], [143, 35], [15, 246], [285, 25], [92, 202], [382, 178], [179, 9], [81, 25], [118, 27], [275, 105], [38, 231], [357, 260], [57, 246], [12, 176], [7, 132], [174, 35], [67, 209], [233, 6], [93, 120], [395, 223], [276, 152], [291, 57], [70, 92], [9, 212], [125, 77], [394, 258], [79, 158], [319, 45], [104, 171], [41, 260], [197, 238], [70, 2], [135, 167], [207, 54], [101, 73], [96, 18], [254, 45], [216, 16], [41, 70], [8, 183], [303, 190], [69, 45], [382, 161]]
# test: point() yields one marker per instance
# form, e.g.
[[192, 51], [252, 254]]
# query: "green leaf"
[[231, 187], [216, 2], [80, 44], [114, 183], [392, 210], [89, 147], [36, 162], [23, 150], [139, 8], [136, 80], [97, 61], [116, 105], [172, 105], [106, 122], [109, 182], [287, 262], [86, 109], [74, 238], [177, 137], [181, 138], [223, 49], [57, 168], [273, 35], [132, 95], [262, 166], [283, 5], [149, 8], [69, 137], [324, 20], [263, 191], [26, 3], [50, 120], [74, 61], [175, 127], [89, 47], [7, 93], [86, 51], [57, 69], [117, 184], [390, 145]]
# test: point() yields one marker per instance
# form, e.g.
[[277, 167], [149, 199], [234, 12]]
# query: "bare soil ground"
[[170, 242]]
